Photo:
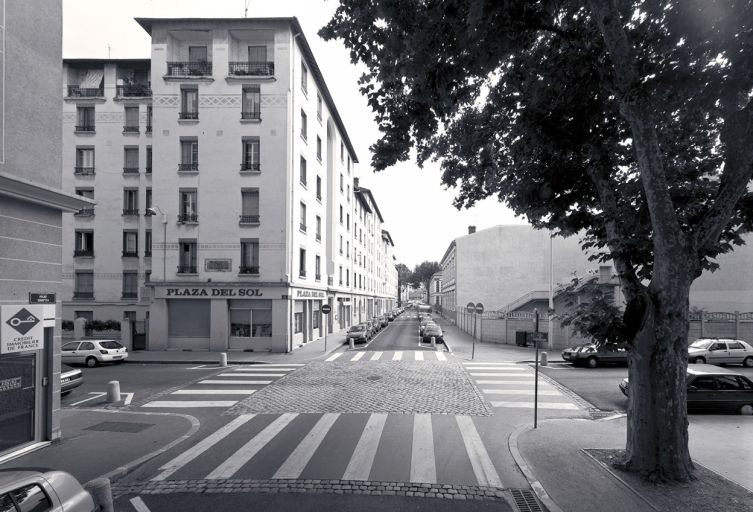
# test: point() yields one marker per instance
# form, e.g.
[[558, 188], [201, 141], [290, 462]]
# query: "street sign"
[[471, 307], [22, 328], [41, 298], [539, 337], [326, 309], [479, 308]]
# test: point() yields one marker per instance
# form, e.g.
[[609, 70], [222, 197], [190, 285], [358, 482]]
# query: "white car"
[[720, 351], [93, 352], [51, 491]]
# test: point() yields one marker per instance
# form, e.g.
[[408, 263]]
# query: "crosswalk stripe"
[[521, 382], [205, 444], [419, 356], [529, 405], [213, 392], [257, 370], [360, 463], [398, 356], [482, 465], [333, 357], [358, 356], [239, 374], [180, 404], [423, 469], [484, 374], [441, 356], [245, 453], [503, 363], [494, 368], [252, 382], [546, 392], [283, 365], [296, 462], [376, 356]]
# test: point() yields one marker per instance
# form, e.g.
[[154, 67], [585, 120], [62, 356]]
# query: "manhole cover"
[[120, 426], [374, 377]]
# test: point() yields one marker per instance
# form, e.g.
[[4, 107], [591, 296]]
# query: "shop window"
[[298, 323], [240, 323], [315, 319], [251, 318]]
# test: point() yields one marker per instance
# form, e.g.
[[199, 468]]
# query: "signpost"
[[536, 380], [41, 298], [326, 309], [475, 309]]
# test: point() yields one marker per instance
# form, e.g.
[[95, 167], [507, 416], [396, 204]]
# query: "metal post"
[[113, 391], [164, 247], [536, 378], [433, 343], [326, 328], [473, 349]]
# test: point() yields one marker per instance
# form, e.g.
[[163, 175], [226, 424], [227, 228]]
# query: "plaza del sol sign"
[[213, 292]]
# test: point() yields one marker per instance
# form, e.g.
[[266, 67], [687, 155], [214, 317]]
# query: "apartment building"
[[241, 212]]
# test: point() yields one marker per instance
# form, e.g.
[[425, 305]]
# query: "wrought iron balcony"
[[83, 252], [249, 269], [148, 170], [240, 68], [131, 129], [133, 90], [83, 171], [318, 277], [189, 68], [250, 166], [130, 211], [147, 254], [84, 128], [188, 115], [130, 170], [187, 269], [75, 91], [194, 167], [302, 273], [130, 254], [85, 212], [254, 115], [83, 295], [148, 129], [188, 218], [249, 219], [130, 295], [302, 227]]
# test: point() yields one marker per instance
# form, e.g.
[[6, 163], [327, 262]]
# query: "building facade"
[[32, 207], [435, 291], [242, 212]]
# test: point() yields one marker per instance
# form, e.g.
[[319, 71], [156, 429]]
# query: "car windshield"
[[110, 344], [356, 328], [64, 368], [701, 344]]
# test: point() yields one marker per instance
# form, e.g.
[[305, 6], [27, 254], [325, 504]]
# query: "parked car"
[[720, 351], [48, 491], [370, 326], [70, 378], [593, 355], [390, 316], [94, 352], [359, 333], [711, 388], [435, 331], [424, 323], [377, 321], [385, 320]]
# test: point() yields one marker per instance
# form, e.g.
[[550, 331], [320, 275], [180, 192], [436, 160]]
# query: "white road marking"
[[529, 405], [423, 468], [398, 356], [213, 392], [441, 356], [296, 462], [362, 459], [184, 404], [419, 356], [545, 392], [333, 357], [96, 393], [502, 363], [376, 356], [233, 382], [239, 374], [205, 444], [245, 453], [139, 505], [482, 464], [495, 374], [128, 398], [526, 382], [254, 369], [358, 356], [493, 368], [202, 367], [282, 365]]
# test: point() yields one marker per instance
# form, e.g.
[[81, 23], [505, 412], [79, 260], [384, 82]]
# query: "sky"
[[417, 209]]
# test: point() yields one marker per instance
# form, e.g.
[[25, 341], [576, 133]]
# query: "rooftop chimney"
[[471, 230]]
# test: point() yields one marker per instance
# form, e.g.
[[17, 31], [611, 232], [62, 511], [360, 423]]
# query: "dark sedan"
[[359, 333], [433, 330], [711, 388], [593, 355]]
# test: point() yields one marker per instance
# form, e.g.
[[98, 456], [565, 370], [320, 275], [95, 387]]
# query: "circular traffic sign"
[[326, 309], [471, 307], [479, 308]]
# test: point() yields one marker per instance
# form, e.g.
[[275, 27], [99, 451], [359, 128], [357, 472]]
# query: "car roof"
[[709, 369], [92, 341], [8, 477]]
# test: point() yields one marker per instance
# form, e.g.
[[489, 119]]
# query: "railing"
[[250, 166], [318, 237], [188, 115], [188, 167], [199, 68], [130, 170], [302, 227], [130, 295], [249, 269], [148, 129], [83, 171], [252, 68], [318, 277], [85, 212], [130, 211], [249, 219], [147, 254], [83, 252], [75, 91], [83, 295], [131, 129], [185, 218], [251, 115], [85, 128], [187, 269], [148, 170], [138, 90], [130, 254], [302, 273]]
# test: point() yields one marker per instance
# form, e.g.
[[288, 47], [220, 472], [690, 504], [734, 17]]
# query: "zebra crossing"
[[509, 385], [294, 446], [392, 355], [224, 389]]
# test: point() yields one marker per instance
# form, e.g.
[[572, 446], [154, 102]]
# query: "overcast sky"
[[418, 211]]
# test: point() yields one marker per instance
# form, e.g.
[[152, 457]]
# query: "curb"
[[538, 489]]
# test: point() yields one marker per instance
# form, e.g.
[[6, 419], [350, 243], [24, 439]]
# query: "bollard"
[[543, 359], [113, 391], [352, 342], [223, 359], [433, 343], [100, 491]]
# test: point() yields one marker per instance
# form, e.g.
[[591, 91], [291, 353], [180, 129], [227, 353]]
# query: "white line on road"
[[244, 454], [139, 505], [441, 356], [503, 363], [296, 462], [257, 369], [202, 446], [482, 465], [128, 398], [376, 356], [96, 393], [544, 392], [423, 469], [527, 382], [494, 368], [239, 374], [186, 404], [529, 405], [333, 357], [252, 382], [203, 367], [358, 356], [496, 374], [283, 365], [419, 356], [360, 463], [398, 356], [213, 392]]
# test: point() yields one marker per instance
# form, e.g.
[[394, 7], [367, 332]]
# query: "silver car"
[[720, 351], [93, 352], [51, 491]]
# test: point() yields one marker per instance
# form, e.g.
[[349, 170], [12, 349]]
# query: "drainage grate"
[[525, 501], [120, 426]]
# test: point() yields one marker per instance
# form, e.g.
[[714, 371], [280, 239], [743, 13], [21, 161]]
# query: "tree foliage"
[[597, 318], [422, 274]]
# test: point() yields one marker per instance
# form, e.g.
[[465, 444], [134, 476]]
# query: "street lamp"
[[156, 209]]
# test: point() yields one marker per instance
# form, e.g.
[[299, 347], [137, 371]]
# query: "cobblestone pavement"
[[407, 387]]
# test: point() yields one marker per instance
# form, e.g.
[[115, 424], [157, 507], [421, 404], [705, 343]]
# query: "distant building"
[[435, 291]]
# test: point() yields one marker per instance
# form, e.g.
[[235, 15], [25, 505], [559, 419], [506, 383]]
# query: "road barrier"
[[113, 392]]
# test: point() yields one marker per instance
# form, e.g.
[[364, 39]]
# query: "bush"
[[67, 325], [100, 325]]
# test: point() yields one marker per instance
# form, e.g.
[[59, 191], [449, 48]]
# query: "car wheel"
[[748, 362], [592, 362], [91, 362], [699, 360], [746, 410]]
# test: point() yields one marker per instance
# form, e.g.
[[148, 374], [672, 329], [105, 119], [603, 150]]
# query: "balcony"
[[187, 269], [249, 219], [249, 269], [188, 167], [148, 253], [83, 171], [251, 167], [189, 69], [302, 227], [130, 295], [75, 91], [148, 169], [318, 237], [194, 116], [318, 277], [130, 211], [188, 218], [85, 212], [83, 295], [148, 128], [240, 68], [131, 129], [302, 274], [83, 253], [133, 91], [130, 254], [130, 170], [84, 128], [251, 116]]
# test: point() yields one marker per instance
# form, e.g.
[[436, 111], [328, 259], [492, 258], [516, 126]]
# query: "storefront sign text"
[[214, 292], [310, 294], [21, 328]]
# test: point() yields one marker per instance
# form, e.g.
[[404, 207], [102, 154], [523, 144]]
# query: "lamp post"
[[156, 209]]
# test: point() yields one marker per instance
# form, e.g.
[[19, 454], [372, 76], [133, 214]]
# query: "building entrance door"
[[17, 400]]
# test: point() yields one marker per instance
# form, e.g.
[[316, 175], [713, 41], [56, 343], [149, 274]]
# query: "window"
[[342, 152], [250, 206], [84, 160], [348, 164], [303, 217], [319, 106], [130, 244], [347, 221], [188, 207], [197, 54], [131, 160], [148, 168], [250, 256], [304, 125], [251, 318], [302, 262], [251, 102], [130, 285], [348, 195], [318, 148], [189, 155], [257, 55], [29, 498], [148, 119], [341, 275], [187, 257], [131, 124], [347, 277], [298, 323], [342, 183], [148, 243], [304, 78], [84, 243], [83, 285], [189, 104], [341, 214], [317, 267], [319, 188], [318, 227], [85, 192], [130, 201], [341, 244], [347, 249], [251, 149], [303, 171], [148, 200], [85, 119]]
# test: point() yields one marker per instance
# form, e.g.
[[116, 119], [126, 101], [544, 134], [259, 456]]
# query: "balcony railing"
[[240, 68], [249, 269], [83, 252], [130, 295], [302, 273], [187, 269], [255, 115], [147, 254], [130, 254], [199, 68], [74, 91], [249, 166], [148, 170], [188, 167], [83, 295], [85, 128], [130, 211], [318, 277], [188, 115], [131, 129], [85, 212], [187, 218], [131, 90], [83, 171], [302, 227], [318, 237], [148, 129], [130, 170], [249, 219]]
